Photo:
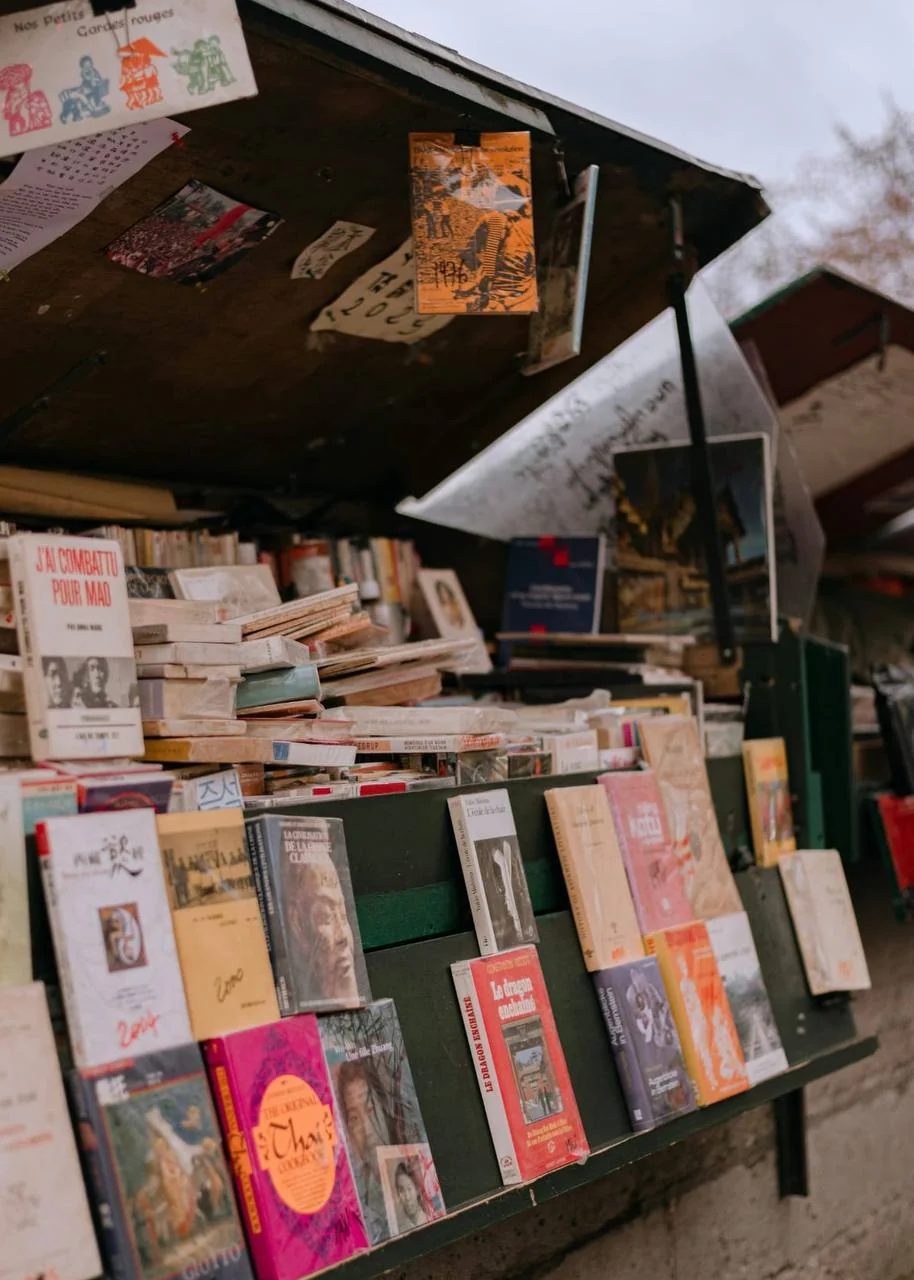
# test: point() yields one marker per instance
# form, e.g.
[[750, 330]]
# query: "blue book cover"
[[645, 1042], [554, 584]]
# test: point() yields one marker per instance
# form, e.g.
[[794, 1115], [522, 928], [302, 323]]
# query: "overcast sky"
[[749, 86]]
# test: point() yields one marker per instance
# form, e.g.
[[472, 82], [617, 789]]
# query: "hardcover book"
[[645, 1042], [701, 1011], [219, 932], [824, 921], [305, 893], [493, 870], [653, 871], [768, 789], [738, 962], [554, 584], [672, 748], [112, 933], [152, 1147], [520, 1067], [47, 1230], [588, 849], [289, 1161], [376, 1100], [75, 638]]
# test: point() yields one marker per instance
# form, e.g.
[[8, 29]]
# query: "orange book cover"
[[768, 789], [701, 1011], [472, 213]]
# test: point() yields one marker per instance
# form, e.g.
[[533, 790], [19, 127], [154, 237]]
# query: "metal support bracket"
[[790, 1136]]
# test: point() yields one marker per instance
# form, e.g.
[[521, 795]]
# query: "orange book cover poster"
[[472, 212]]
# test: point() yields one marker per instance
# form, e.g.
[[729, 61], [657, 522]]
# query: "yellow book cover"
[[222, 947], [768, 789], [601, 901], [672, 748], [701, 1011]]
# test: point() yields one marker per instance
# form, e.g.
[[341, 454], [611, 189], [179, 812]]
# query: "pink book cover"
[[285, 1143], [647, 850]]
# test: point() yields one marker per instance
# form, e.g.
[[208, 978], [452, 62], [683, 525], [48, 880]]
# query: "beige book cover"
[[824, 921], [219, 932], [601, 901], [672, 748]]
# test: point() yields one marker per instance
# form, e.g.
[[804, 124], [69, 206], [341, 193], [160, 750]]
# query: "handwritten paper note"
[[381, 304], [317, 258]]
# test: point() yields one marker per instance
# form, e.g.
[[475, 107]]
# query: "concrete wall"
[[710, 1207]]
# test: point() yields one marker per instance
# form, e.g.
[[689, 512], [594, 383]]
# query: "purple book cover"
[[292, 1174], [644, 1042]]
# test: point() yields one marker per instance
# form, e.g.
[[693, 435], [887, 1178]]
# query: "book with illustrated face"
[[112, 934], [305, 892], [738, 962], [376, 1100], [768, 789], [824, 921], [493, 870]]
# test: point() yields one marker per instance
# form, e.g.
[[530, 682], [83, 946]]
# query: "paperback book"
[[645, 1042], [376, 1099], [520, 1067], [304, 889], [555, 584], [493, 870], [292, 1174], [112, 934], [738, 962], [768, 789], [824, 921], [152, 1148]]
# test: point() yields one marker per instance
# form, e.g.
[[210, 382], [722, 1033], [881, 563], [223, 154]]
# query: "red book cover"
[[897, 813], [520, 1066]]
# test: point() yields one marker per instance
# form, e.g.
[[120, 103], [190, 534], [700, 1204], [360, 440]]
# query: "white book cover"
[[573, 752], [493, 870], [75, 637], [824, 921], [738, 962], [113, 936], [44, 1216]]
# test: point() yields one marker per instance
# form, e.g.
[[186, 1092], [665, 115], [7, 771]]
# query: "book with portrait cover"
[[152, 1150], [291, 1169], [647, 849], [376, 1101], [520, 1067], [588, 849], [493, 870], [112, 933], [768, 789], [824, 921], [218, 928], [44, 1214], [672, 748], [701, 1010], [738, 962], [76, 642], [645, 1042], [301, 872], [554, 584]]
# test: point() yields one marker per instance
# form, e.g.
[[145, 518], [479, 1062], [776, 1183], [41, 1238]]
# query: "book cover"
[[15, 933], [376, 1100], [554, 584], [588, 849], [695, 990], [738, 962], [672, 748], [218, 928], [645, 1042], [212, 698], [305, 893], [663, 584], [768, 790], [520, 1067], [894, 822], [44, 1214], [651, 865], [264, 688], [112, 934], [74, 635], [125, 791], [472, 219], [289, 1161], [824, 921], [151, 1144], [493, 870]]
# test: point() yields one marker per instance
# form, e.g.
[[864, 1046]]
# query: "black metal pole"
[[702, 476], [790, 1135]]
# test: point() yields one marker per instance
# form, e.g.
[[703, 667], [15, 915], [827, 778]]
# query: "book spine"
[[64, 972], [486, 1075], [272, 921], [105, 1200], [479, 907], [39, 732], [572, 884], [629, 1068], [295, 684]]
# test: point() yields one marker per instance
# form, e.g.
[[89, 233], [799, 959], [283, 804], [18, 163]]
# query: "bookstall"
[[193, 351]]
